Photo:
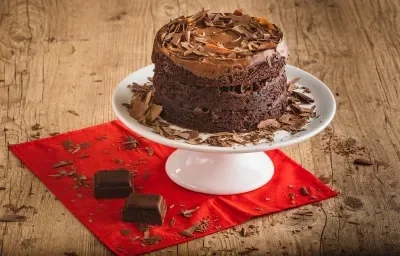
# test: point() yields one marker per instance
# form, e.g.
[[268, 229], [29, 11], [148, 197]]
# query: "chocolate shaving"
[[12, 218], [153, 112], [248, 251], [152, 240], [150, 151], [67, 144], [191, 50], [361, 161], [303, 97], [216, 49], [118, 161], [189, 232], [62, 163], [70, 254], [304, 191], [75, 150], [36, 127], [176, 39], [172, 222], [84, 145], [130, 142], [203, 225], [188, 213], [268, 123], [294, 81], [73, 112], [238, 12], [125, 232]]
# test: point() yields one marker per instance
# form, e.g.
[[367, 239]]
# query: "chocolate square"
[[112, 184], [144, 208]]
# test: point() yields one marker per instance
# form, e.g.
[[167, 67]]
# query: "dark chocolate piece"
[[144, 208], [112, 184]]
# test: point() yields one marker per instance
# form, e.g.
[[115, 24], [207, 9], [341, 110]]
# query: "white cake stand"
[[225, 170]]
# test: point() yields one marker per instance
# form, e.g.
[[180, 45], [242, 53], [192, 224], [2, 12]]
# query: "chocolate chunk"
[[144, 208], [112, 184]]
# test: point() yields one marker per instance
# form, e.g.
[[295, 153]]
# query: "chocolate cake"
[[218, 72]]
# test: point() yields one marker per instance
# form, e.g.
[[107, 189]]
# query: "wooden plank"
[[57, 54]]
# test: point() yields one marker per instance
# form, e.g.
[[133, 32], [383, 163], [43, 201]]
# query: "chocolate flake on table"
[[84, 145], [172, 222], [200, 226], [188, 213], [35, 135], [2, 188], [130, 142], [189, 232], [248, 251], [70, 254], [102, 137], [151, 240], [36, 127], [85, 155], [12, 218], [68, 144], [146, 175], [203, 225], [150, 151], [133, 239], [118, 161], [73, 112], [125, 232], [79, 179], [362, 161], [291, 197], [347, 147], [304, 191], [62, 163], [54, 133], [243, 232]]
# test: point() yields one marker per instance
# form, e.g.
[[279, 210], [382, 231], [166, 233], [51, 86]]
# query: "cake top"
[[218, 39]]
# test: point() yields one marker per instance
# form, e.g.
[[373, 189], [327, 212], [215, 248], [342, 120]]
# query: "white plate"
[[324, 100]]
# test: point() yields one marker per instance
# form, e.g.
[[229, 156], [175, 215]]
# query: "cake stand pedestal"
[[225, 170], [219, 173]]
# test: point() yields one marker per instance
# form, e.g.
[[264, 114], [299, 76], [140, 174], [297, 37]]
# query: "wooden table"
[[65, 55]]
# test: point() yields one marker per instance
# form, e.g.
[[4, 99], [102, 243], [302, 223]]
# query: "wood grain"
[[64, 55]]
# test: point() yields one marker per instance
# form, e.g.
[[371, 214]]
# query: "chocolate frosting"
[[219, 44]]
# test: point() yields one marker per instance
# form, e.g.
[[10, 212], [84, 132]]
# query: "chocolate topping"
[[214, 44]]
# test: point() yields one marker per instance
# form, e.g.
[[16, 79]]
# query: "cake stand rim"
[[144, 131]]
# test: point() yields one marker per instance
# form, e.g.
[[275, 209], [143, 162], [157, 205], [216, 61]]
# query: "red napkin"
[[103, 217]]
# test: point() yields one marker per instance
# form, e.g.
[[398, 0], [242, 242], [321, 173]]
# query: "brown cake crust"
[[212, 82]]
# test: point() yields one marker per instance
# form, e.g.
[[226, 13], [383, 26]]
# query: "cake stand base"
[[218, 173]]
